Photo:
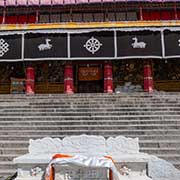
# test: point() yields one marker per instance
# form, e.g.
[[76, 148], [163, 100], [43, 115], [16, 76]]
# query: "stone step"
[[89, 110], [105, 104], [59, 122], [90, 116], [69, 114], [90, 123], [168, 96], [109, 132], [137, 95], [123, 97], [90, 104], [13, 144], [7, 165], [140, 103], [87, 118], [8, 157], [127, 100], [95, 106], [88, 96], [4, 173], [92, 132], [17, 151], [169, 157], [89, 127], [115, 98], [37, 136], [90, 107], [154, 118], [60, 103], [158, 137], [94, 94], [159, 144], [68, 99], [166, 150]]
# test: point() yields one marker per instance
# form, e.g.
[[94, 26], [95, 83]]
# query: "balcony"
[[111, 12]]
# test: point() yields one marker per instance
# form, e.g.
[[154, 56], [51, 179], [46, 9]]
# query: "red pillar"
[[148, 78], [108, 78], [30, 81], [68, 79]]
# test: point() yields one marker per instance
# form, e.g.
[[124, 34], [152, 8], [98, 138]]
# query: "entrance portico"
[[90, 78], [55, 58]]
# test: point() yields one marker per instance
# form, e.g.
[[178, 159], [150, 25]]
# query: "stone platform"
[[124, 151]]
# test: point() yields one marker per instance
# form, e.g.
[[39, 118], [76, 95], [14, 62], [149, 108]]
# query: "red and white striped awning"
[[5, 3]]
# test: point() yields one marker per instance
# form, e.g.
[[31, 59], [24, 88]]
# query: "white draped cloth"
[[83, 161]]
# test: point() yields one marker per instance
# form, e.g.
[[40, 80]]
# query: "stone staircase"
[[154, 118]]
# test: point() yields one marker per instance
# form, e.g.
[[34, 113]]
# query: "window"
[[111, 16], [132, 16], [88, 17], [77, 17], [55, 18], [65, 17], [99, 17], [44, 18], [120, 16]]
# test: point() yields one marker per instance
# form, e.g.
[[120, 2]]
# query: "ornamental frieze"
[[101, 44]]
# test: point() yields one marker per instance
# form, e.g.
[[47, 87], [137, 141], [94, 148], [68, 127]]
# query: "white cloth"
[[84, 161]]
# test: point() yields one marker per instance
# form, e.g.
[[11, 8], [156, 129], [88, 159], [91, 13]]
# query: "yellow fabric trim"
[[74, 25]]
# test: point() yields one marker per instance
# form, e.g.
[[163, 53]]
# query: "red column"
[[30, 81], [68, 79], [108, 78], [148, 78]]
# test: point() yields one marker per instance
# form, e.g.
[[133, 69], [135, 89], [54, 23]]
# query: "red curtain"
[[155, 15], [151, 15], [22, 19], [31, 19], [1, 19], [11, 19], [178, 14], [173, 15], [146, 16], [166, 15]]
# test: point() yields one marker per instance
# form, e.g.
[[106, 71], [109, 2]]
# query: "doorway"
[[90, 78]]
